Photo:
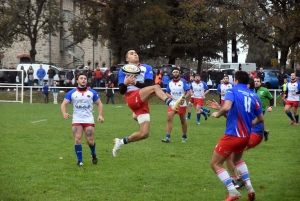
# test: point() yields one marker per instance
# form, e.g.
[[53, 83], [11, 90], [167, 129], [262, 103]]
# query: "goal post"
[[6, 85]]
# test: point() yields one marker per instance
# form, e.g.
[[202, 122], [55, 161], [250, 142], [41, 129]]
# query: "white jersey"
[[222, 89], [293, 87], [199, 89], [82, 102], [176, 89]]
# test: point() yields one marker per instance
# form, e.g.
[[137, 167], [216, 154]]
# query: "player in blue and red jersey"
[[82, 98], [255, 139], [242, 105], [138, 90]]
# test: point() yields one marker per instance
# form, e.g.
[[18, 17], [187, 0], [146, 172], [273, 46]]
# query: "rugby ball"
[[131, 69]]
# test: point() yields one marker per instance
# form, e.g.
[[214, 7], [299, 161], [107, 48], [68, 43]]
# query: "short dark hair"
[[242, 77], [127, 50], [251, 83], [79, 74]]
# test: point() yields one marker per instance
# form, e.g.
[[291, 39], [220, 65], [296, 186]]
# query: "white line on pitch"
[[38, 121]]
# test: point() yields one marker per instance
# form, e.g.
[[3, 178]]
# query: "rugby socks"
[[168, 101], [243, 169], [289, 114], [198, 115], [225, 178], [204, 109], [125, 140], [203, 113], [93, 148], [189, 115], [78, 151], [297, 118], [183, 136]]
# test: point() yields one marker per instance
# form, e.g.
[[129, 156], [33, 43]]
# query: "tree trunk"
[[283, 58], [233, 47], [200, 60], [32, 52]]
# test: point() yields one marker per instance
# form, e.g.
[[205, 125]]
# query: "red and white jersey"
[[176, 89], [222, 89], [199, 88], [291, 88]]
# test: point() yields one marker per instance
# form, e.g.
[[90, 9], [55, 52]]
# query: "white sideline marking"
[[118, 106], [38, 121]]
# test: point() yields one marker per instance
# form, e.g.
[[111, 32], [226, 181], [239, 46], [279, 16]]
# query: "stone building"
[[61, 49]]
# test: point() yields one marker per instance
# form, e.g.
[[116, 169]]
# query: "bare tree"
[[30, 19]]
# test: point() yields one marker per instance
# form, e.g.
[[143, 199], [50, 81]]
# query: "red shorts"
[[135, 103], [222, 102], [254, 140], [191, 100], [229, 144], [294, 104], [84, 125], [198, 101], [182, 110]]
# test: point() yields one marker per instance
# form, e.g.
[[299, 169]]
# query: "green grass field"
[[38, 158]]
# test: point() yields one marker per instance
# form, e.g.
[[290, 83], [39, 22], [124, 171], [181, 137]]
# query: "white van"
[[238, 66], [35, 67], [229, 72]]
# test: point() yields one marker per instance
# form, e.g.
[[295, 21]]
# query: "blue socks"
[[93, 148], [168, 136], [78, 151], [198, 117], [205, 110], [289, 114], [189, 115]]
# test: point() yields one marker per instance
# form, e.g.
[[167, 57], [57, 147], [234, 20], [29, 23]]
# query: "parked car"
[[271, 78], [229, 72]]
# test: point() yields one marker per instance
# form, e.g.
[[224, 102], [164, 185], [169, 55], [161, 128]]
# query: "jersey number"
[[247, 103]]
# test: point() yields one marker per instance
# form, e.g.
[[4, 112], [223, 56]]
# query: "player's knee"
[[90, 142], [144, 135], [77, 140]]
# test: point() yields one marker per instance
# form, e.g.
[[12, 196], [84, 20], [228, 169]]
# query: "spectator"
[[11, 75], [30, 72], [62, 77], [220, 76], [70, 77], [261, 75], [46, 92], [204, 75], [2, 76], [98, 76], [213, 76], [110, 76], [55, 91], [20, 75], [249, 74], [41, 73], [76, 71], [110, 92], [105, 76], [89, 74], [51, 73], [253, 74], [165, 80], [281, 78], [157, 77]]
